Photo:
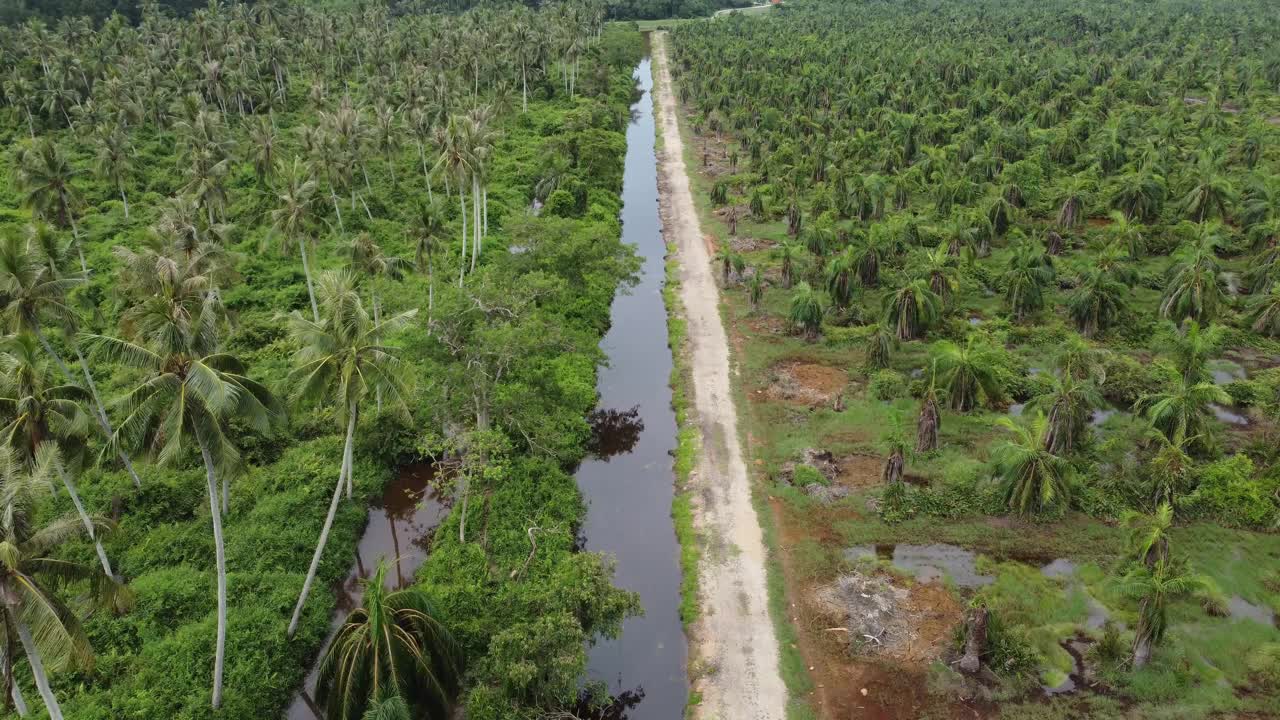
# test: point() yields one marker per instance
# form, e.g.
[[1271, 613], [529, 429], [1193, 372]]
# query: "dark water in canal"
[[628, 483], [399, 529]]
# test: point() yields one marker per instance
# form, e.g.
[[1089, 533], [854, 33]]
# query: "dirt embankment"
[[734, 640]]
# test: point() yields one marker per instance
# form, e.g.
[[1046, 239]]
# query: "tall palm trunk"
[[336, 210], [377, 320], [12, 690], [84, 517], [475, 220], [462, 262], [219, 655], [524, 88], [101, 413], [37, 668], [344, 476], [125, 199], [306, 270]]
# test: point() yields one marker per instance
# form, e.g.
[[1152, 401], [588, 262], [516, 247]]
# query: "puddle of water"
[[628, 480], [399, 528], [1060, 567], [1076, 649], [1242, 609], [928, 562], [1228, 416], [1226, 371], [1015, 410], [975, 320]]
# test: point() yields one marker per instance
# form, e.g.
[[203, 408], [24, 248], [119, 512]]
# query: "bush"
[[1230, 494], [1264, 665], [806, 475], [888, 385]]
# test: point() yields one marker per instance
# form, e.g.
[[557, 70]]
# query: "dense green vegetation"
[[287, 250], [1040, 240]]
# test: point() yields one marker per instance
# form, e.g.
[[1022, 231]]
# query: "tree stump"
[[976, 642]]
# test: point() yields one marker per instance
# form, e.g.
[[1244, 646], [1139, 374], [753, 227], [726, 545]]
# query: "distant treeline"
[[618, 9], [17, 11]]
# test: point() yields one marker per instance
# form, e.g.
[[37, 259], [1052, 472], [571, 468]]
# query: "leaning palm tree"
[[186, 398], [37, 414], [1154, 588], [30, 576], [394, 647], [1182, 411], [31, 293], [292, 214], [1148, 534], [1035, 479], [340, 361], [969, 373]]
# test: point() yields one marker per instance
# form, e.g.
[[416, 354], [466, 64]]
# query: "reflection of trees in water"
[[614, 432], [616, 710]]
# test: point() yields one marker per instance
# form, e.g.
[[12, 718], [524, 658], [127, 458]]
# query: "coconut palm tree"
[[36, 414], [912, 309], [1154, 588], [339, 361], [1182, 411], [184, 401], [1148, 534], [1035, 479], [969, 373], [114, 162], [806, 311], [31, 292], [395, 646], [292, 215], [427, 229], [44, 176], [31, 574], [1192, 347]]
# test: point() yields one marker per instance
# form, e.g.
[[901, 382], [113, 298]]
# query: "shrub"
[[806, 475], [1229, 493], [888, 385], [1264, 665]]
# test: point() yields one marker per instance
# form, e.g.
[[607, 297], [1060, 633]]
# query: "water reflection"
[[616, 710], [399, 529], [614, 432]]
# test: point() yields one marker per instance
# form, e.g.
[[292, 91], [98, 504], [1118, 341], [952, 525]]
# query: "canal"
[[628, 482]]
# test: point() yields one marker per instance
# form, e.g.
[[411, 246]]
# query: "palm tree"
[[428, 228], [1073, 200], [36, 414], [1154, 588], [114, 163], [395, 646], [1028, 272], [1098, 302], [969, 373], [1192, 347], [1264, 313], [1209, 193], [1196, 280], [1068, 407], [1128, 233], [880, 346], [806, 311], [840, 274], [291, 216], [1182, 411], [44, 177], [912, 309], [456, 159], [788, 254], [940, 266], [1148, 534], [30, 574], [929, 420], [339, 361], [30, 293], [1035, 479], [186, 397]]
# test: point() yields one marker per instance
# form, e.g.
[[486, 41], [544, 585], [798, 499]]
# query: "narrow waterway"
[[399, 530], [628, 482]]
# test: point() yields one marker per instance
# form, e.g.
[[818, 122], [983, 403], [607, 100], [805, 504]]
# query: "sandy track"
[[734, 640]]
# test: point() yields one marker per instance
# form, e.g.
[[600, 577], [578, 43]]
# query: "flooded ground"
[[399, 529], [628, 481], [929, 562]]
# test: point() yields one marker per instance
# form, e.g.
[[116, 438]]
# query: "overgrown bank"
[[502, 368]]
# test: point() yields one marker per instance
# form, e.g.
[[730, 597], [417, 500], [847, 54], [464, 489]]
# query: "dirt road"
[[734, 639]]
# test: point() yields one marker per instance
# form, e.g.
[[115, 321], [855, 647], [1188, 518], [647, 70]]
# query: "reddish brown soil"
[[805, 383], [858, 472]]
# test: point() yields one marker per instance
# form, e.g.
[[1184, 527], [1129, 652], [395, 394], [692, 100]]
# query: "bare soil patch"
[[859, 472], [806, 383]]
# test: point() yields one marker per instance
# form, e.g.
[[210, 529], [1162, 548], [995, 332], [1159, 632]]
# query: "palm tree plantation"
[[1000, 283], [341, 376]]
